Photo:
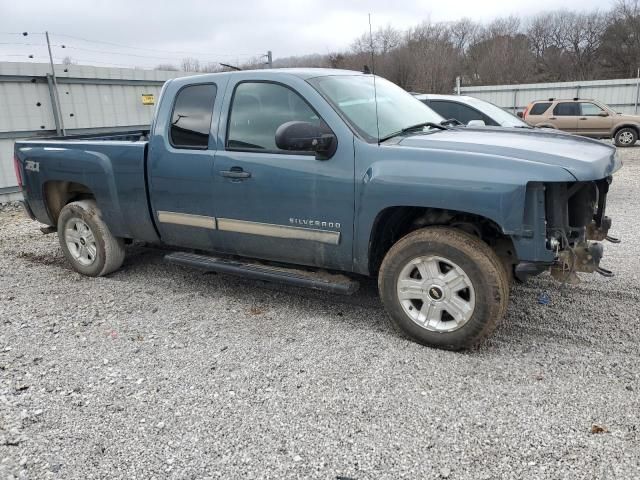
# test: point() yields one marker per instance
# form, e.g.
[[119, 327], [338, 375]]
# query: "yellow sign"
[[148, 99]]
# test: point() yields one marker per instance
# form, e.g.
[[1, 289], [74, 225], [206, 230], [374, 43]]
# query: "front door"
[[565, 116], [593, 121], [281, 205]]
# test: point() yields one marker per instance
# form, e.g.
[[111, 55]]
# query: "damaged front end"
[[576, 223]]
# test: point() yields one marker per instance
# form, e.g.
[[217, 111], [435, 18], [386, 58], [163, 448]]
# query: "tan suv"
[[584, 117]]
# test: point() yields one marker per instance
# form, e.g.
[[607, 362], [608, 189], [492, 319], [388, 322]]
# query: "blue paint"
[[494, 173]]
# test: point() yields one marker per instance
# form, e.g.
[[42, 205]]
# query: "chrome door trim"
[[187, 219], [252, 228], [278, 231]]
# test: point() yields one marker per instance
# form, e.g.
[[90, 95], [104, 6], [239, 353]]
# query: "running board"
[[318, 280]]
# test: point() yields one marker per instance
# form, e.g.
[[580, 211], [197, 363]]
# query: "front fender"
[[488, 186]]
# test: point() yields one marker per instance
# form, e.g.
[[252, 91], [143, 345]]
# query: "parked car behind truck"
[[309, 177], [589, 118], [470, 110]]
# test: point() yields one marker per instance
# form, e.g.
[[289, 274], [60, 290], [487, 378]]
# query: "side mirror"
[[603, 114], [306, 137], [476, 123]]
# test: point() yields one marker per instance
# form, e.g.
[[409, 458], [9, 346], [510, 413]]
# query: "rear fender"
[[112, 171]]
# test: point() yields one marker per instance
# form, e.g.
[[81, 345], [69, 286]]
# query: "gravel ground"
[[163, 372]]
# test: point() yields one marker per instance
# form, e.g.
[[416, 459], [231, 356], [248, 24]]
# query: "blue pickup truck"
[[318, 177]]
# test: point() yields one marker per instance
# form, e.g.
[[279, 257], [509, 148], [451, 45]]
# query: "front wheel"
[[86, 241], [625, 137], [443, 287]]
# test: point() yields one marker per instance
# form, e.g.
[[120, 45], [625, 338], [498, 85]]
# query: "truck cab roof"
[[304, 73]]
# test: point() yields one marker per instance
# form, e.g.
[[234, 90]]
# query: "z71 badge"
[[32, 166]]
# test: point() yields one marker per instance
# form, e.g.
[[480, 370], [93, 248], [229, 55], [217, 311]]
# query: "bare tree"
[[463, 33], [500, 59], [502, 27], [552, 46], [336, 60], [435, 57], [381, 42], [190, 64], [212, 67], [620, 50], [583, 41]]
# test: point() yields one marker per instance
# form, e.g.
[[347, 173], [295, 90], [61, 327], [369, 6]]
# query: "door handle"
[[552, 118], [582, 118], [235, 172]]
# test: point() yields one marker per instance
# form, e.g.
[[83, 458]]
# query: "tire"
[[625, 137], [461, 271], [86, 241]]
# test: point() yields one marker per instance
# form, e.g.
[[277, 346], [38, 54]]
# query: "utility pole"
[[55, 85], [269, 59], [635, 110]]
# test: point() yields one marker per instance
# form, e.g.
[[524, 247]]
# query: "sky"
[[145, 33]]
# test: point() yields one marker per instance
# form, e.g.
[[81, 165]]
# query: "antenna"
[[373, 71], [232, 67]]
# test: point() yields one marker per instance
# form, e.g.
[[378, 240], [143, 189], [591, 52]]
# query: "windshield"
[[505, 119], [354, 98]]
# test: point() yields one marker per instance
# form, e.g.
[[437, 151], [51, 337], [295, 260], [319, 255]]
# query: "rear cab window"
[[191, 117]]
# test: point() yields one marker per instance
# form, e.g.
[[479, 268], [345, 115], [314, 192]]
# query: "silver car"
[[470, 111]]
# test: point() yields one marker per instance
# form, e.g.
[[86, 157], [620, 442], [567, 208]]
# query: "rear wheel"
[[625, 137], [86, 241], [443, 287]]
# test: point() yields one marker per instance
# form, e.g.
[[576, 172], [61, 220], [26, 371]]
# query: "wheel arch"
[[620, 126], [393, 223], [58, 193]]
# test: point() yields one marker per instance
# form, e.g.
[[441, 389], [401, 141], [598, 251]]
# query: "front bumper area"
[[584, 257], [576, 226]]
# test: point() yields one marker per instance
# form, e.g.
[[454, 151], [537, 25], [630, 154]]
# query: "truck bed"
[[111, 166]]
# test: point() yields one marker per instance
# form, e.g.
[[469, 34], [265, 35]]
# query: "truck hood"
[[586, 159]]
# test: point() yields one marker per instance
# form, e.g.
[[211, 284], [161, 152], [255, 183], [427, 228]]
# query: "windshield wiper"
[[413, 127]]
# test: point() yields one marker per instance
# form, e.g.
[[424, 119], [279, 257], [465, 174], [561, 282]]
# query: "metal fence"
[[96, 99], [91, 100], [621, 95]]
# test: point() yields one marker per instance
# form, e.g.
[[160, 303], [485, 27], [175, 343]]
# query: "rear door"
[[282, 205], [565, 116], [593, 121], [180, 163], [536, 113]]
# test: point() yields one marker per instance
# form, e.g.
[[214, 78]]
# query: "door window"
[[259, 108], [590, 109], [566, 109], [191, 117], [539, 108]]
